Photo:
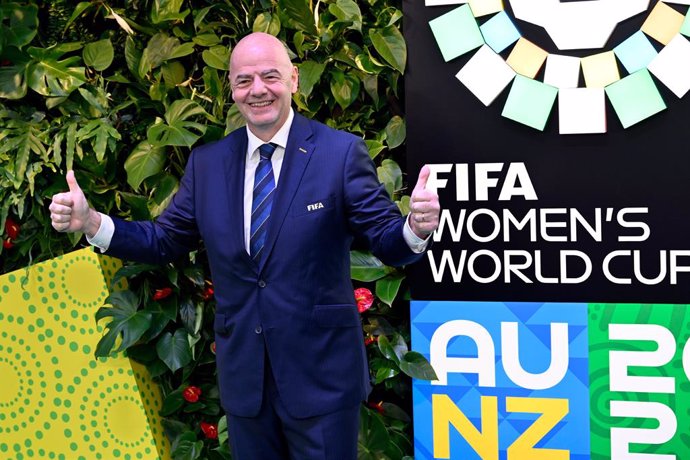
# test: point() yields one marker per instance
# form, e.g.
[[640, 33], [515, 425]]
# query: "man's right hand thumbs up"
[[70, 212]]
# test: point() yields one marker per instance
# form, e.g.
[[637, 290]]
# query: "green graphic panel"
[[616, 333]]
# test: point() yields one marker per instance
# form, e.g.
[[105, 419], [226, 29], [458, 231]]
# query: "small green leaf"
[[387, 349], [390, 44], [416, 366], [178, 130], [13, 82], [344, 87], [375, 147], [126, 320], [99, 55], [347, 11], [395, 132], [206, 39], [174, 350], [172, 403], [387, 288], [184, 49], [217, 57], [167, 10], [299, 13], [188, 315], [144, 161], [365, 267], [267, 23], [309, 74], [390, 176], [132, 56], [373, 434]]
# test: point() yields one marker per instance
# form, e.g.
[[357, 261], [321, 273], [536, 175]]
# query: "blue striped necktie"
[[262, 198]]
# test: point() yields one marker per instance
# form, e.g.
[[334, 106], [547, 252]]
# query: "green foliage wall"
[[121, 91]]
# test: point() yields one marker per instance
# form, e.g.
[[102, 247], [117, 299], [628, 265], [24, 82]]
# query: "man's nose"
[[258, 85]]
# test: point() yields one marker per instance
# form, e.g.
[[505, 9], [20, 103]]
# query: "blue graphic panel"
[[472, 344]]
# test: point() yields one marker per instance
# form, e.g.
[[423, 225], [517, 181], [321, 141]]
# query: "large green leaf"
[[390, 44], [49, 76], [126, 321], [365, 267], [174, 350], [22, 24], [309, 74], [144, 161], [177, 129], [99, 55]]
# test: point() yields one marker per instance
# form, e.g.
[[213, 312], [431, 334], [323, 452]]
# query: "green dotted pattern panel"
[[58, 401]]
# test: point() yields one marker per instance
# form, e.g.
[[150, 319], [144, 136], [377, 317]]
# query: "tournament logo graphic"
[[626, 75]]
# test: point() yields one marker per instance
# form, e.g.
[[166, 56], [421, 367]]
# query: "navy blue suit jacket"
[[297, 305]]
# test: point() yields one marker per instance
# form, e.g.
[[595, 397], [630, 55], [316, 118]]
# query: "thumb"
[[72, 182], [423, 178]]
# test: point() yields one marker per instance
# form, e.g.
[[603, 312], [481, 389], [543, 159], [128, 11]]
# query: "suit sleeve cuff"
[[104, 235], [416, 244]]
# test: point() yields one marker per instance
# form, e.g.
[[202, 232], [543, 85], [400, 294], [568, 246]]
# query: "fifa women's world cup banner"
[[552, 303]]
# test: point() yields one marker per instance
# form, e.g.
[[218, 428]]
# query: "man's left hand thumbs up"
[[424, 206]]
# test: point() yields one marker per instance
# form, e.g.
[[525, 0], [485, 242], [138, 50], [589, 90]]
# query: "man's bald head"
[[263, 80], [260, 41]]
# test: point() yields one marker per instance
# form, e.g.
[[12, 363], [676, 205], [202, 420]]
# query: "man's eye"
[[272, 78]]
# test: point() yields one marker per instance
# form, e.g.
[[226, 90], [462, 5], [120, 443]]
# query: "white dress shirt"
[[105, 232]]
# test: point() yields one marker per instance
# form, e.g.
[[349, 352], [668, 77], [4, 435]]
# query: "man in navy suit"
[[277, 204]]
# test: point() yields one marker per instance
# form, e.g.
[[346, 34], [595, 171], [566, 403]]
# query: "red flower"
[[376, 406], [160, 294], [12, 229], [213, 348], [7, 243], [210, 430], [207, 294], [369, 340], [191, 394], [364, 299]]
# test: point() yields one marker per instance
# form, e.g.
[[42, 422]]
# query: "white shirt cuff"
[[416, 244], [104, 235]]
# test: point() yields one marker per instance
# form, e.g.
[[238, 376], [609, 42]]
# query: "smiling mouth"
[[261, 104]]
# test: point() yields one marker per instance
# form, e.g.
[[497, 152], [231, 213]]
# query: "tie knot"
[[266, 150]]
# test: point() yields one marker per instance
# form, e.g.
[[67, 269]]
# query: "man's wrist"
[[93, 223]]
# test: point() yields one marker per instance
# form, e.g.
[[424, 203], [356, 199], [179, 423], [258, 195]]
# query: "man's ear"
[[294, 79]]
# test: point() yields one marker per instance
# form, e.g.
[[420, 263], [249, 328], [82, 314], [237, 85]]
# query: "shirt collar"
[[280, 138]]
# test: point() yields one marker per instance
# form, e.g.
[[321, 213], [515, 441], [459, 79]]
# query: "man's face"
[[263, 81]]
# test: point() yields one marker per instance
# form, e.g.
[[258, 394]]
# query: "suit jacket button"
[[258, 329], [262, 283]]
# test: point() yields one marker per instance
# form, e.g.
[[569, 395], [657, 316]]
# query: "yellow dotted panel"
[[58, 401]]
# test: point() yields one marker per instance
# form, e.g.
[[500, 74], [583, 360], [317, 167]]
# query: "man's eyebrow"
[[262, 73]]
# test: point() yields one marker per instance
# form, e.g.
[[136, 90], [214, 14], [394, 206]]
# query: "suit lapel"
[[235, 163], [297, 155]]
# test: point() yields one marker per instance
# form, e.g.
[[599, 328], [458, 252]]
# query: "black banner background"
[[647, 165]]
